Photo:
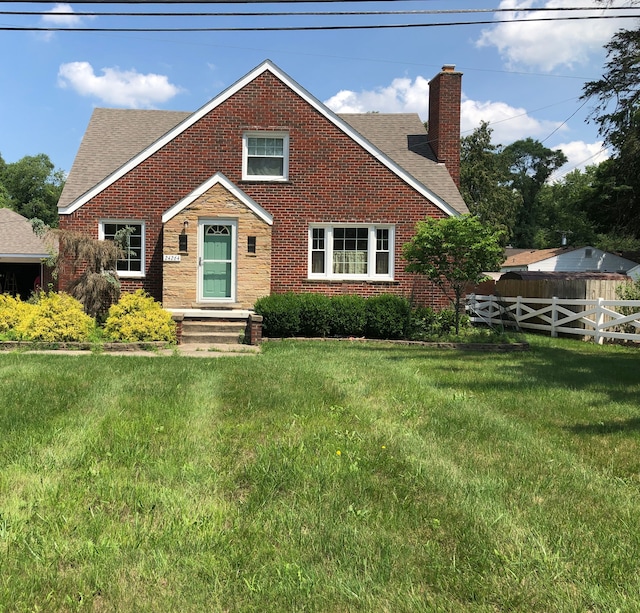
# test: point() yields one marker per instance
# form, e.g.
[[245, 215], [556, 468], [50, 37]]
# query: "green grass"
[[323, 477]]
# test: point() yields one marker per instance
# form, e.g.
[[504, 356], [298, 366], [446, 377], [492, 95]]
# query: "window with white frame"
[[265, 156], [351, 252], [132, 233]]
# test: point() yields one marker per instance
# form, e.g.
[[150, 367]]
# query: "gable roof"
[[117, 140], [113, 137], [403, 138], [524, 257], [17, 239], [220, 179]]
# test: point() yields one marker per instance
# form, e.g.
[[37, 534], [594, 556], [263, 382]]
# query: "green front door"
[[217, 261]]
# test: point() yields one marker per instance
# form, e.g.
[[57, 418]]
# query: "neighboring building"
[[264, 189], [21, 256], [566, 259]]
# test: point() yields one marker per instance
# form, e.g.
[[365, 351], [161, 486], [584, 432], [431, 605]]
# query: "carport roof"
[[17, 238]]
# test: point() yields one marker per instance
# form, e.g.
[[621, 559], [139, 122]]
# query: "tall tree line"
[[508, 187], [32, 186]]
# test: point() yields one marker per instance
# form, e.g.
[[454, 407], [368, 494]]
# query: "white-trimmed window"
[[132, 264], [351, 251], [265, 156]]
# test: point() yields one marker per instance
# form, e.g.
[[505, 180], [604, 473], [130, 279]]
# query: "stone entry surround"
[[180, 267]]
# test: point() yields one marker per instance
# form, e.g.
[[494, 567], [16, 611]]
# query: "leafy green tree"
[[562, 210], [530, 164], [616, 110], [32, 187], [4, 194], [484, 180], [454, 252]]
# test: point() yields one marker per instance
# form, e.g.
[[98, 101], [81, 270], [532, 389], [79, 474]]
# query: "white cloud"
[[546, 45], [580, 155], [62, 16], [406, 96], [127, 88], [402, 96], [508, 123]]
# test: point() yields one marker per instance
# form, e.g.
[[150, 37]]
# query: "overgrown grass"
[[322, 477]]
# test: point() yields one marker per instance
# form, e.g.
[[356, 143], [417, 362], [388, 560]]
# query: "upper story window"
[[132, 262], [351, 252], [265, 156]]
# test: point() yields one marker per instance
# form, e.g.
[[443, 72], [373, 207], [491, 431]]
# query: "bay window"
[[351, 251]]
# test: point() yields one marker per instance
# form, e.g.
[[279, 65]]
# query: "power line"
[[72, 13], [307, 28]]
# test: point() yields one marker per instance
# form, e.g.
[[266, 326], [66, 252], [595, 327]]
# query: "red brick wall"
[[445, 90], [331, 179]]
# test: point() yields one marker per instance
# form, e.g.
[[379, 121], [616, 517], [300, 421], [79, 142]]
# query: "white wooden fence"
[[597, 318]]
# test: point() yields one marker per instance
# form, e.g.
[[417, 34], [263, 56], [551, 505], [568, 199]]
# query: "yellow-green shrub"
[[138, 317], [55, 317], [12, 310]]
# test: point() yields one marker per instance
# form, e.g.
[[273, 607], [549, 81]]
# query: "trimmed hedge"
[[382, 317], [388, 316]]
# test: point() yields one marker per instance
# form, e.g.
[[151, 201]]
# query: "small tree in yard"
[[96, 285], [454, 252]]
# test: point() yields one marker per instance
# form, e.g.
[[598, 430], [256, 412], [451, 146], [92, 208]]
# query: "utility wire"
[[565, 121], [71, 12], [308, 28]]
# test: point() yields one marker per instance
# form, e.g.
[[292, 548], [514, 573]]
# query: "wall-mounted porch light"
[[182, 237]]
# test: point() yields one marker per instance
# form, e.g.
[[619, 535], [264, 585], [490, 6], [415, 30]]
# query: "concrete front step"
[[213, 338], [212, 332], [204, 327]]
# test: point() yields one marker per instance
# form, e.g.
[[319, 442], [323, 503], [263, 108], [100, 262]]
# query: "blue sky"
[[524, 78]]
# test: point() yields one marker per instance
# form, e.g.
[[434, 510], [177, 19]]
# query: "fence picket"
[[599, 318]]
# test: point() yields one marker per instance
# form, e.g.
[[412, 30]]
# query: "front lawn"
[[326, 477]]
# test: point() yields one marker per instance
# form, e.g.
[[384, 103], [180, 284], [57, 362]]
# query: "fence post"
[[554, 316], [597, 335], [471, 304], [518, 309]]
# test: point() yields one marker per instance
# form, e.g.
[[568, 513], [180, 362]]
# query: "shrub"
[[55, 317], [446, 321], [12, 311], [280, 313], [137, 317], [348, 315], [628, 291], [388, 316], [422, 323], [315, 315]]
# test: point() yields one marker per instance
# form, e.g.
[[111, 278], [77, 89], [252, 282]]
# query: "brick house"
[[263, 190]]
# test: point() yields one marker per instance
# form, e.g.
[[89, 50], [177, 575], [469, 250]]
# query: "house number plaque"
[[170, 258]]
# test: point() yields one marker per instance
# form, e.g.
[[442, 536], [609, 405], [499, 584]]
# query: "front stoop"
[[217, 326], [212, 332]]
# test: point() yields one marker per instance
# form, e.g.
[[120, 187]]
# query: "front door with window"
[[217, 260]]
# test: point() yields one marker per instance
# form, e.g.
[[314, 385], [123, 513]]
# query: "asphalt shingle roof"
[[524, 257], [114, 136], [17, 238]]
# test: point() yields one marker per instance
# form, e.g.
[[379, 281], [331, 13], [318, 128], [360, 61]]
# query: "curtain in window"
[[350, 262]]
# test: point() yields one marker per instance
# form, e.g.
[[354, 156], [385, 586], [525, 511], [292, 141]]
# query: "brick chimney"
[[445, 90]]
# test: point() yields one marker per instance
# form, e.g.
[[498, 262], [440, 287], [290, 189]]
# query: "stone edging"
[[482, 347], [73, 346]]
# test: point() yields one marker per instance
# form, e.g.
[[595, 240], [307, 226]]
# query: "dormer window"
[[265, 156]]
